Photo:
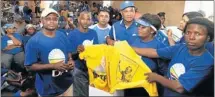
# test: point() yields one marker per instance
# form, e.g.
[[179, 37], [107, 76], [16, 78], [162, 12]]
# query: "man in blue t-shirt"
[[125, 28], [102, 28], [47, 54], [82, 36], [11, 48], [190, 63]]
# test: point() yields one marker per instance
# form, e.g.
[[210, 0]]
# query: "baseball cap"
[[47, 11], [29, 26], [6, 26], [126, 4]]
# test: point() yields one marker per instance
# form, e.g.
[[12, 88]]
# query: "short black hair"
[[209, 25], [104, 10], [152, 19], [192, 14], [161, 14]]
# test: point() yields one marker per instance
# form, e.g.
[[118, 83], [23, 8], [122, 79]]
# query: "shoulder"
[[93, 26], [74, 32], [35, 38]]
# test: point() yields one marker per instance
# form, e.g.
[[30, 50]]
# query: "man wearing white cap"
[[126, 28], [47, 55]]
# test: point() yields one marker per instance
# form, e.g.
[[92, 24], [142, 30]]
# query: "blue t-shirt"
[[17, 94], [46, 50], [121, 33], [77, 38], [101, 32], [5, 41], [189, 70], [162, 38], [150, 62]]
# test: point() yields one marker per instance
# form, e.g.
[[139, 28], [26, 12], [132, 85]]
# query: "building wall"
[[173, 9]]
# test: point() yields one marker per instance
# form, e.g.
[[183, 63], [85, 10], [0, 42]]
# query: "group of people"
[[179, 69]]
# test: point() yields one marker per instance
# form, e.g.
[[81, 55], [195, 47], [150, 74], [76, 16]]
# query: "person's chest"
[[181, 64]]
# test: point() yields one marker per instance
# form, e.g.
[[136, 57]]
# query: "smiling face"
[[196, 36]]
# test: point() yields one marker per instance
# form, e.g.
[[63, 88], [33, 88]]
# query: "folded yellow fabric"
[[116, 67]]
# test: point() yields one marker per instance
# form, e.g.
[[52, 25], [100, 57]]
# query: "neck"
[[148, 38], [197, 52], [49, 33], [102, 26], [128, 23], [82, 29]]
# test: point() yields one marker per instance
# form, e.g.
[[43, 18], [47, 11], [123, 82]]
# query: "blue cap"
[[126, 4], [6, 26]]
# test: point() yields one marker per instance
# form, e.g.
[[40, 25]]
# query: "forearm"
[[10, 47], [16, 41], [40, 67], [147, 52], [171, 84], [171, 41]]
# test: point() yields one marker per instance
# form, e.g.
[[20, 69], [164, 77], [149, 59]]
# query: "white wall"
[[206, 6]]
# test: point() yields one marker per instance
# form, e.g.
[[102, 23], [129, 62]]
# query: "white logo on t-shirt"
[[87, 42], [9, 42], [176, 71], [56, 55]]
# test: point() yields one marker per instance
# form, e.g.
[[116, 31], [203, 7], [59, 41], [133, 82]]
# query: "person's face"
[[50, 22], [196, 36], [31, 31], [144, 32], [84, 21], [183, 22], [10, 30], [162, 18], [128, 14], [103, 18]]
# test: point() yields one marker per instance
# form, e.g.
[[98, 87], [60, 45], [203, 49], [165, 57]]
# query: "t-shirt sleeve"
[[167, 52], [72, 42], [3, 43], [31, 53], [194, 76], [96, 40]]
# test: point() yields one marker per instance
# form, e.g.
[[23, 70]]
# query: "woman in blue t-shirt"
[[190, 63], [30, 31], [11, 48], [148, 24]]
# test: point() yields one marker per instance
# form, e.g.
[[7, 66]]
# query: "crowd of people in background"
[[44, 46]]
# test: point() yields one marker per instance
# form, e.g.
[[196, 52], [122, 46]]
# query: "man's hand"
[[109, 41], [60, 66], [80, 48], [151, 77], [10, 35]]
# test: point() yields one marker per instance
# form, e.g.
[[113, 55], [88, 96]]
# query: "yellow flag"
[[116, 67]]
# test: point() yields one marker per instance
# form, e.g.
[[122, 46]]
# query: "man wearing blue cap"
[[126, 28], [11, 48]]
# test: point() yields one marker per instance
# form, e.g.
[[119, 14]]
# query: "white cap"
[[47, 11], [29, 26]]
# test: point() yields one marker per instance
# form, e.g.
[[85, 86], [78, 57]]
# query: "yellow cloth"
[[116, 67]]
